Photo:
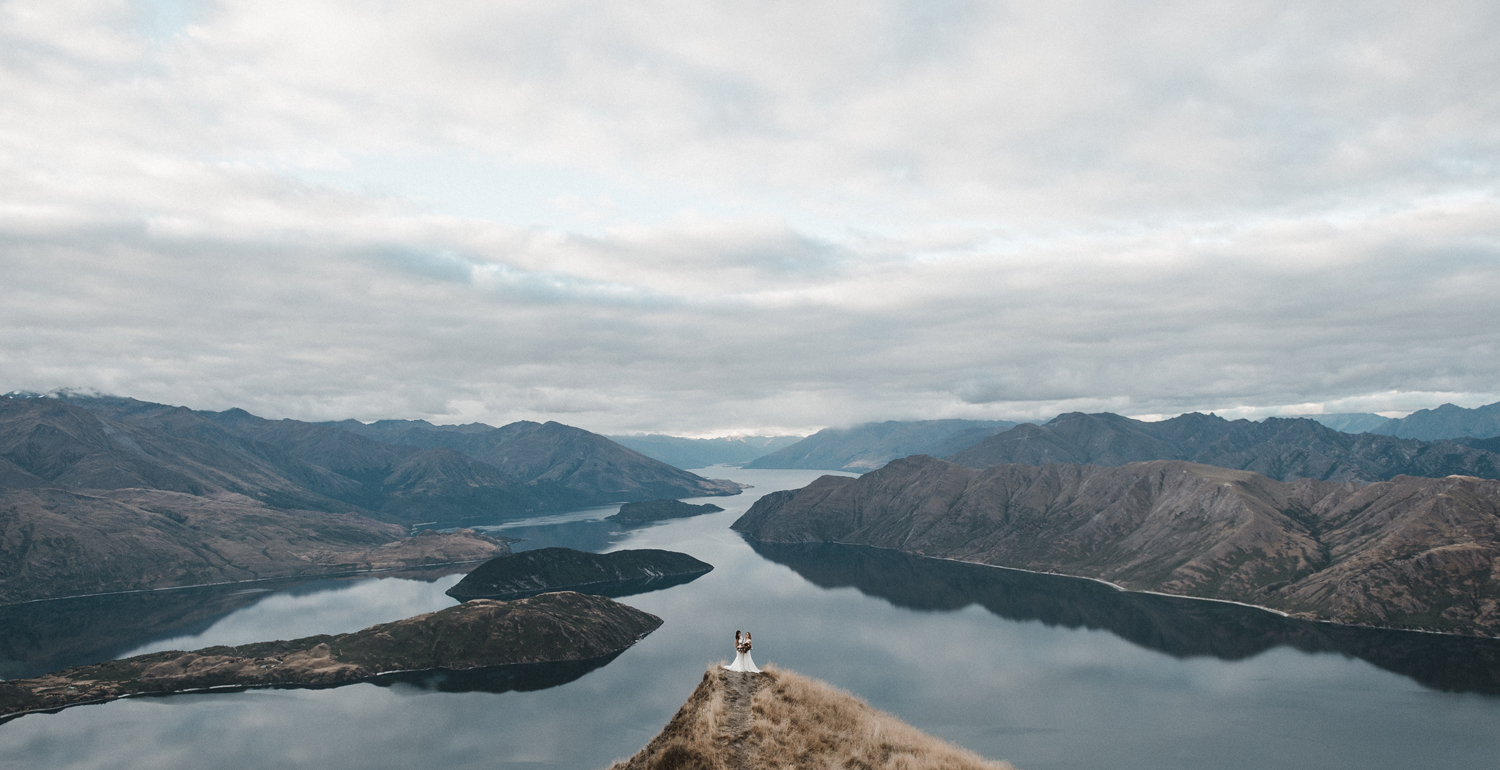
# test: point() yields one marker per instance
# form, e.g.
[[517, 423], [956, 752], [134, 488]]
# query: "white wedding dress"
[[743, 662]]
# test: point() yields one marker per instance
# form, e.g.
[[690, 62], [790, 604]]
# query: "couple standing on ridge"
[[742, 660]]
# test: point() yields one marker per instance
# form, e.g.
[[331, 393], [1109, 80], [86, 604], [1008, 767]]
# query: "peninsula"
[[660, 510], [550, 628], [1418, 553]]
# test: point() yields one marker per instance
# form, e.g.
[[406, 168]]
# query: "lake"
[[1042, 671]]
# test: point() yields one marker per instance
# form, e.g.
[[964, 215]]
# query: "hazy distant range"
[[868, 446]]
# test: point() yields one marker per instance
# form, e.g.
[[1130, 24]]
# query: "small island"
[[550, 628], [660, 510], [621, 573]]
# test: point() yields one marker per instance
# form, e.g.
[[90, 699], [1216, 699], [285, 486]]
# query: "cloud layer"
[[710, 217]]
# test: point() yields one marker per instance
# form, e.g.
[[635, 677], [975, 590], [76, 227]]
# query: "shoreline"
[[554, 637], [223, 688], [1118, 587]]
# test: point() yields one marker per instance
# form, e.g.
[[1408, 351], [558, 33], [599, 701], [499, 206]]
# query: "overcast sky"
[[714, 217]]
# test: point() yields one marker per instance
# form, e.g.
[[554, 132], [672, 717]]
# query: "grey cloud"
[[999, 211]]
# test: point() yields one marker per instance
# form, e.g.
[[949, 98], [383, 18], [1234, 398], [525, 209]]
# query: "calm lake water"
[[1045, 672]]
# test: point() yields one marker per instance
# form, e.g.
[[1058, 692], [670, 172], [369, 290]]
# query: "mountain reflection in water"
[[519, 677], [40, 637], [1177, 626]]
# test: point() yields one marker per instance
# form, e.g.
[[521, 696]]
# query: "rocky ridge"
[[870, 445]]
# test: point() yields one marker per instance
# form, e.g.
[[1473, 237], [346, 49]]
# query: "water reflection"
[[1042, 687], [520, 677], [1176, 626], [584, 530], [40, 637], [319, 607], [615, 590]]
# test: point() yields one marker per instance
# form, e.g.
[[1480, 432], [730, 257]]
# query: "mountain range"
[[1280, 448], [103, 493], [870, 445], [1407, 552], [1444, 422], [398, 471]]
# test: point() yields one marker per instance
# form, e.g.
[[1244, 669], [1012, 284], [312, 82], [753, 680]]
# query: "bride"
[[742, 660]]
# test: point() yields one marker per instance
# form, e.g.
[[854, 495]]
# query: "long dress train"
[[743, 662]]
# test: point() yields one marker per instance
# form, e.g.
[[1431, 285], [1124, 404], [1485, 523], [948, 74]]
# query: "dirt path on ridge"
[[739, 689]]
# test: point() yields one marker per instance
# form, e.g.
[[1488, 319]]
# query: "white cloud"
[[715, 216]]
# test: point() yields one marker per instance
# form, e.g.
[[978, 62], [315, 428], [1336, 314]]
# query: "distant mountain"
[[1352, 422], [48, 442], [282, 463], [101, 493], [1283, 449], [873, 444], [1410, 552], [1447, 421], [60, 542], [566, 467], [690, 453], [402, 471]]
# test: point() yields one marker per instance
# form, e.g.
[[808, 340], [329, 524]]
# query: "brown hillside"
[[56, 542], [1409, 552]]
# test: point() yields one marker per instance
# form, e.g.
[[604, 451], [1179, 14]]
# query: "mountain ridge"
[[868, 446], [1281, 448], [564, 465], [1410, 552], [107, 493], [1448, 421]]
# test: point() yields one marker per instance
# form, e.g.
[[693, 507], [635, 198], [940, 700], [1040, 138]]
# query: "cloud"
[[711, 217]]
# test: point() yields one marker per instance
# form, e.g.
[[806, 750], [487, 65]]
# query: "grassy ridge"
[[780, 719]]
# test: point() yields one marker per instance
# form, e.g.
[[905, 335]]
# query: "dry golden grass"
[[781, 720]]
